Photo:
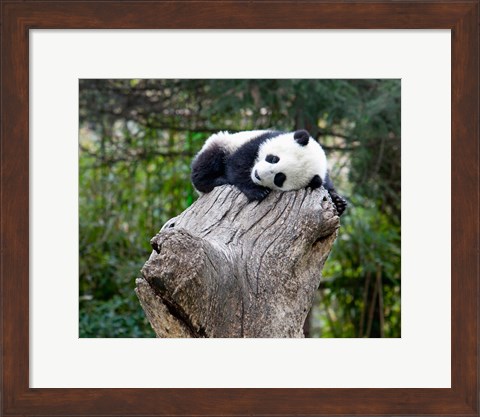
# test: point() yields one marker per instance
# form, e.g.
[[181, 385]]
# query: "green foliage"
[[366, 253], [137, 139], [118, 316]]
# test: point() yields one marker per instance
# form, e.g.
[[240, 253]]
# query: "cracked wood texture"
[[229, 268]]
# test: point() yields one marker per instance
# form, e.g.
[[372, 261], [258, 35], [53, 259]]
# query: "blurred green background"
[[136, 142]]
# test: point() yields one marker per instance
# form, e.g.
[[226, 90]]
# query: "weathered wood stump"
[[229, 268]]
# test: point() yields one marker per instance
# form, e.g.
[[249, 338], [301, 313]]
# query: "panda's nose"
[[257, 176]]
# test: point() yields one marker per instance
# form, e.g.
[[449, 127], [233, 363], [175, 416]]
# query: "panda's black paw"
[[315, 182], [256, 194], [340, 203]]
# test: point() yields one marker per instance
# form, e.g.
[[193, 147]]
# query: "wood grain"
[[20, 16], [227, 267]]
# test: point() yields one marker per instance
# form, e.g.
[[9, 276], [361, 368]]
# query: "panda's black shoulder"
[[240, 162]]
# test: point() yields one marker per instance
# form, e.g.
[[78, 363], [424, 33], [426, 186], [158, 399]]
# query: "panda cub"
[[258, 161]]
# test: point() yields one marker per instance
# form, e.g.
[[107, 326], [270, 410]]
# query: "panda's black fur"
[[220, 162]]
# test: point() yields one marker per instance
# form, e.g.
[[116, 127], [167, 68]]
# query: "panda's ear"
[[302, 137]]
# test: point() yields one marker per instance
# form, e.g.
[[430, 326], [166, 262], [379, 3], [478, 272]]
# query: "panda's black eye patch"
[[279, 179], [272, 159]]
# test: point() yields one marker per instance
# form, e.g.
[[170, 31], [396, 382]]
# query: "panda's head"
[[289, 161]]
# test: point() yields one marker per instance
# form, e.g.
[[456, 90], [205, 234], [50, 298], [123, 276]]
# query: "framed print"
[[42, 376], [395, 58]]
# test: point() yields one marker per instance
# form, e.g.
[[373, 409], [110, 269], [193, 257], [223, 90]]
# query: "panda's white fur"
[[231, 141], [300, 163]]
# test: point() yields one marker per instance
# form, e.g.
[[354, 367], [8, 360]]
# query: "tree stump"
[[227, 267]]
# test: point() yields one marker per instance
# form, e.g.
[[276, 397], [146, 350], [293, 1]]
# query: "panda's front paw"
[[340, 203], [257, 194], [315, 182]]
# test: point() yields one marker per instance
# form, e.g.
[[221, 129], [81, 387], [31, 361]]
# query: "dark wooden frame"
[[462, 17]]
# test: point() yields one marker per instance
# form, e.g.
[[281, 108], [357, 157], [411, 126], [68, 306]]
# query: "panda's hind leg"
[[208, 169], [338, 200]]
